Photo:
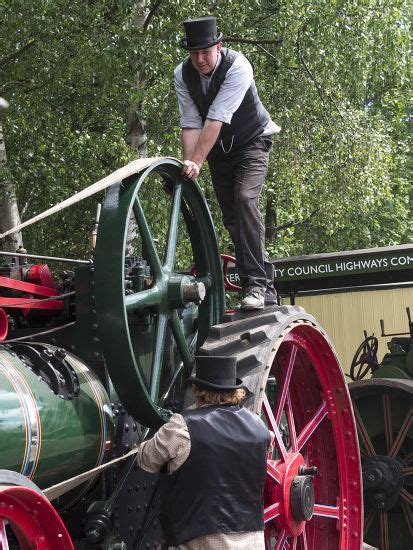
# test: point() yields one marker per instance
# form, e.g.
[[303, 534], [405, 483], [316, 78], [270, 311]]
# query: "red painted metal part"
[[39, 273], [226, 261], [313, 423], [31, 303], [31, 288], [4, 325], [31, 519]]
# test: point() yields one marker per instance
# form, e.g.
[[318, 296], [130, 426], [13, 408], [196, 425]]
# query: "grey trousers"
[[238, 177]]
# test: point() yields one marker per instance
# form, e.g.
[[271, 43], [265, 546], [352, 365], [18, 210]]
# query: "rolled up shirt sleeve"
[[238, 79], [170, 447], [189, 114]]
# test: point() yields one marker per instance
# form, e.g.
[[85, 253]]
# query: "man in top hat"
[[224, 122], [213, 459]]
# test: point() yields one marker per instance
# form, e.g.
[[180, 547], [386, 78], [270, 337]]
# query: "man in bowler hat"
[[224, 122], [213, 464]]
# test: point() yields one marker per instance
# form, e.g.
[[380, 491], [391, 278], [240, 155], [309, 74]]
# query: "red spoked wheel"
[[313, 493], [28, 521]]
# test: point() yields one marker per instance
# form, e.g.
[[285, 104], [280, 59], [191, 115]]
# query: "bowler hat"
[[216, 372], [201, 33]]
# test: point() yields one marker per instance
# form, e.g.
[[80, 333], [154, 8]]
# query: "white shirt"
[[238, 79]]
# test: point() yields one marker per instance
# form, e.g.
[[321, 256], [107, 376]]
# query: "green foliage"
[[336, 80]]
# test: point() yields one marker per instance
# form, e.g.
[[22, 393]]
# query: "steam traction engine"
[[93, 360], [383, 405]]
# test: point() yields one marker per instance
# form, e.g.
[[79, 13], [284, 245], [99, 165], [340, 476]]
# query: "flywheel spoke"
[[147, 239], [285, 384], [271, 512], [158, 356], [273, 425], [326, 511], [312, 425], [180, 340], [173, 228], [408, 471], [387, 422], [4, 545], [401, 435], [368, 445], [384, 531], [144, 298]]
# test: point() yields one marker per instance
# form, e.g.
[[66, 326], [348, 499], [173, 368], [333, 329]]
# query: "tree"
[[9, 211], [80, 77]]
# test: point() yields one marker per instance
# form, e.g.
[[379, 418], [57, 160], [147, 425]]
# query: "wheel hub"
[[382, 481], [302, 498], [296, 492]]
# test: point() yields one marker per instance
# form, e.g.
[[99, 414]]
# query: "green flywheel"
[[152, 313]]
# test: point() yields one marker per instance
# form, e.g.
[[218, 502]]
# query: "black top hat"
[[216, 372], [201, 33]]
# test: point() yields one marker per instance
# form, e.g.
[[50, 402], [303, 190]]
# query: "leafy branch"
[[15, 55], [257, 42]]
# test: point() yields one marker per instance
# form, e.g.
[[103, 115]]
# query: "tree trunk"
[[136, 126], [9, 212]]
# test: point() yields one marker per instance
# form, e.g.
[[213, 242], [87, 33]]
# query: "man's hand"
[[190, 169]]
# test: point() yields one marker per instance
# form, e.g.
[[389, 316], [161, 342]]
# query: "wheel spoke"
[[408, 516], [312, 425], [273, 472], [281, 540], [326, 511], [363, 454], [144, 298], [173, 228], [285, 385], [274, 427], [294, 546], [368, 520], [4, 545], [384, 531], [406, 496], [304, 544], [159, 345], [408, 471], [401, 435], [148, 244], [387, 422], [291, 423], [271, 512], [181, 342], [368, 445]]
